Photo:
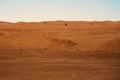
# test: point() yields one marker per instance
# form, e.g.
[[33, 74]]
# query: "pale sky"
[[70, 10]]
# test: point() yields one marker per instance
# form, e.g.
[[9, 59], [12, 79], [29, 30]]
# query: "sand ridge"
[[92, 36], [60, 50]]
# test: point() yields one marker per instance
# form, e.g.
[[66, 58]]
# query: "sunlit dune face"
[[79, 35]]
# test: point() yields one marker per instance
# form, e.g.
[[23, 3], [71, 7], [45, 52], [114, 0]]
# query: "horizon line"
[[61, 21]]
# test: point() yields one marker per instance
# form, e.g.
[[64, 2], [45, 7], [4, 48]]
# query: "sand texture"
[[60, 50]]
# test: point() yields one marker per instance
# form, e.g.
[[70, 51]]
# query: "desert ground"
[[60, 50]]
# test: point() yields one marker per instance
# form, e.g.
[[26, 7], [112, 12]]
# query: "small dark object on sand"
[[65, 24]]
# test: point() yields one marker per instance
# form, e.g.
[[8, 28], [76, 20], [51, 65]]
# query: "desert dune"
[[60, 50], [91, 36]]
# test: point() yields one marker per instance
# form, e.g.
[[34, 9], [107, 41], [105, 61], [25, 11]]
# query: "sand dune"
[[78, 35], [60, 50]]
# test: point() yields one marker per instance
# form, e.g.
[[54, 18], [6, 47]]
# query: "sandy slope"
[[60, 50], [90, 36]]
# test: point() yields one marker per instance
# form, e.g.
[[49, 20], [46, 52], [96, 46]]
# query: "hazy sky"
[[42, 10]]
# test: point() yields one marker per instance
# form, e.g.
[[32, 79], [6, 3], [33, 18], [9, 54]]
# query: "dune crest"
[[80, 35]]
